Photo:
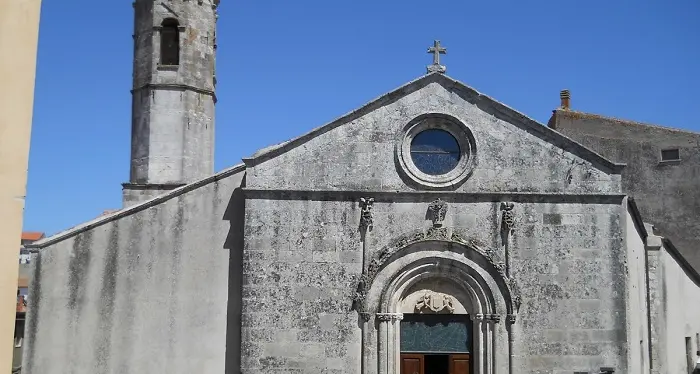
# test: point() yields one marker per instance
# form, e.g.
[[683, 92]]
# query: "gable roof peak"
[[484, 102]]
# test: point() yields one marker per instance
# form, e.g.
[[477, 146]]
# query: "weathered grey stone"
[[281, 265], [667, 192], [172, 140]]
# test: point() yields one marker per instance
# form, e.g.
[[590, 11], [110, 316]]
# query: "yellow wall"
[[19, 33]]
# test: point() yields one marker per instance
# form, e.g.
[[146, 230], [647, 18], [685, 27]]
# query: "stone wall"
[[570, 262], [675, 301], [638, 329], [304, 250], [153, 288], [303, 259]]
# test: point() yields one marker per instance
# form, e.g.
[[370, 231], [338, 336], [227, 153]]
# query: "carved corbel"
[[507, 225], [507, 216], [366, 219]]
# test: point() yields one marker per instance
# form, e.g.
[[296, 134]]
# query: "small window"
[[435, 152], [170, 42], [670, 154]]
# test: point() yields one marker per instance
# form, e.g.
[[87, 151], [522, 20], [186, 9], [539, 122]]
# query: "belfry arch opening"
[[170, 42]]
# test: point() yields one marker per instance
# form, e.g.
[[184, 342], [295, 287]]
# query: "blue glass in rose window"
[[435, 152]]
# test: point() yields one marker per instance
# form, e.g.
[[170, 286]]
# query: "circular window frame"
[[438, 121]]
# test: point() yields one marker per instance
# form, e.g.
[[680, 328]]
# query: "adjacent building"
[[19, 34], [662, 172], [23, 281]]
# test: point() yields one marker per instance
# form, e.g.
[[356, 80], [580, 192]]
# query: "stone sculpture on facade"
[[366, 220], [435, 302], [437, 210], [508, 218], [507, 225]]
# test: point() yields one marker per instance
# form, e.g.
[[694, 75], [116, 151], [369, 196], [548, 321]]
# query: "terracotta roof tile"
[[32, 235]]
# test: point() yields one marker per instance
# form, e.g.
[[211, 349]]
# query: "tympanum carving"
[[435, 302]]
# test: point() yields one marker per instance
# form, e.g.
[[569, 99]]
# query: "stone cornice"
[[428, 196], [175, 87]]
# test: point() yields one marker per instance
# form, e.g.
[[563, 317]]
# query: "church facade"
[[433, 230]]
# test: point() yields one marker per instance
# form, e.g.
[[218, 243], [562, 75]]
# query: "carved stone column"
[[368, 335], [510, 324], [478, 344], [491, 320], [388, 342]]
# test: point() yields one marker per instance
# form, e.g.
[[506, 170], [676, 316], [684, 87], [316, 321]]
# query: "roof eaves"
[[576, 113], [684, 264], [101, 220], [637, 218]]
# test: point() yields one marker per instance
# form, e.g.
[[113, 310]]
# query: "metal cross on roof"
[[437, 50]]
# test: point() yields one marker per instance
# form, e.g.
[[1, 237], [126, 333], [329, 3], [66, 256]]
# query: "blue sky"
[[285, 67]]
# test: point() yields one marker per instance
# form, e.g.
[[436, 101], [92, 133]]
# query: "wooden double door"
[[412, 363]]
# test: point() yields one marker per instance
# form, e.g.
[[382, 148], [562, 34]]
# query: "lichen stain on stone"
[[177, 242], [191, 35], [126, 282], [152, 251], [107, 298], [78, 269]]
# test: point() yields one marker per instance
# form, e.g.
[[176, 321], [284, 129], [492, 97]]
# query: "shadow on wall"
[[234, 214]]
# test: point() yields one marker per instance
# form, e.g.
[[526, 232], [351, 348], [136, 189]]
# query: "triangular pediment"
[[489, 104], [368, 134]]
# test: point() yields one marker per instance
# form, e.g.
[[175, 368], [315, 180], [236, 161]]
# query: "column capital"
[[495, 318], [389, 316]]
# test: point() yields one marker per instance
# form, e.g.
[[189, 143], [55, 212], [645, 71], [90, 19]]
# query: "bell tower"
[[173, 96]]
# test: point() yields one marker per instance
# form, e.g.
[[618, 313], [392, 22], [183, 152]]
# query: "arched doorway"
[[436, 331], [471, 298]]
